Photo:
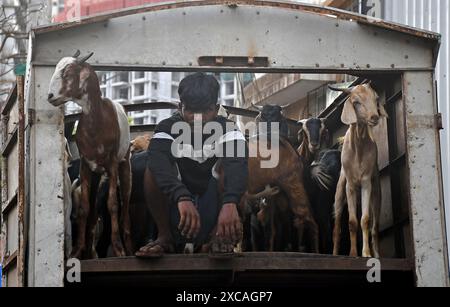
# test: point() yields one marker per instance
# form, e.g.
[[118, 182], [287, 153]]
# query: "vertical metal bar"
[[21, 179], [47, 194], [423, 158]]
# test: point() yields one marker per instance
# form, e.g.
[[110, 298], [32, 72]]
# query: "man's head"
[[198, 95]]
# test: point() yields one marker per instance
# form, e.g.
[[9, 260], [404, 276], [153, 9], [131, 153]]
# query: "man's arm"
[[162, 164]]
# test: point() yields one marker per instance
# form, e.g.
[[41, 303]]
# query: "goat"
[[103, 139], [272, 114], [362, 111], [321, 179], [312, 136], [140, 143], [321, 174], [288, 181], [142, 224]]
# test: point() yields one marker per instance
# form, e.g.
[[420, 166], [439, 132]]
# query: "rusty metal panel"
[[426, 198], [11, 276], [47, 186], [12, 175], [177, 38], [12, 231]]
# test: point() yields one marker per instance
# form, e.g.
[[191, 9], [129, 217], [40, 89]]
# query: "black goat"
[[321, 179]]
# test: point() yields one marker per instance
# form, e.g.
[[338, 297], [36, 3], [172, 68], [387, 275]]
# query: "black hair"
[[198, 91]]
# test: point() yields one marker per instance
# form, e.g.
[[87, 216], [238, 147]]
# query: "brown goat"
[[288, 176], [103, 140], [140, 143], [362, 111]]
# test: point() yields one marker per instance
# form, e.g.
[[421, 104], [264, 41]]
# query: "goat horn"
[[77, 54], [85, 58], [337, 89], [259, 108]]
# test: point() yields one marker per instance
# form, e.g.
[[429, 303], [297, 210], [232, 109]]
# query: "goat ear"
[[382, 110], [84, 76], [348, 116]]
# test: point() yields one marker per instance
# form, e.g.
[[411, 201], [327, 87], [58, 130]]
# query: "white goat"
[[359, 172]]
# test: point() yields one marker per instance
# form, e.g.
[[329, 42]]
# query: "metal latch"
[[31, 117]]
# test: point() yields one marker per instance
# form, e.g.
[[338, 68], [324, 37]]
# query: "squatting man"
[[201, 210]]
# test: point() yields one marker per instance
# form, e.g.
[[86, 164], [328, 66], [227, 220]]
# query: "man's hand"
[[189, 219], [229, 226]]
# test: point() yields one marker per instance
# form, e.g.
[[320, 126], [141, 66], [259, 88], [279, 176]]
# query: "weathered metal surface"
[[47, 186], [339, 14], [278, 31], [433, 16], [426, 202]]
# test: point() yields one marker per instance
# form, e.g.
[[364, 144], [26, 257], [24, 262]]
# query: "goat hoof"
[[366, 255]]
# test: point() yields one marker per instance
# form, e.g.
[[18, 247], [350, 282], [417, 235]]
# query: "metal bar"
[[131, 108], [9, 261], [425, 195], [12, 140], [239, 263], [9, 204], [21, 179], [142, 128], [10, 101]]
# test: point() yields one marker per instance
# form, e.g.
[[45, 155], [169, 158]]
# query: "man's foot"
[[155, 249]]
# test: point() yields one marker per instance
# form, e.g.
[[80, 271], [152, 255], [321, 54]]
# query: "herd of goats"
[[298, 206]]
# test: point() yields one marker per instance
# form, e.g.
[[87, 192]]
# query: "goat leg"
[[125, 192], [352, 199], [295, 190], [113, 208], [338, 209], [366, 195], [375, 213], [83, 211]]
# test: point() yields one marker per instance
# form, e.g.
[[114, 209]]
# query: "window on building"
[[139, 89], [153, 119], [229, 102], [139, 75], [103, 90], [155, 86], [138, 121], [102, 77], [229, 88], [121, 93], [122, 77], [317, 101], [174, 93], [177, 76]]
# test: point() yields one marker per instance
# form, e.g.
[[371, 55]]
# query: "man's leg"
[[208, 206], [159, 208]]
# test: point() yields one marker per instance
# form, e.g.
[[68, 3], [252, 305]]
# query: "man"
[[199, 210]]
